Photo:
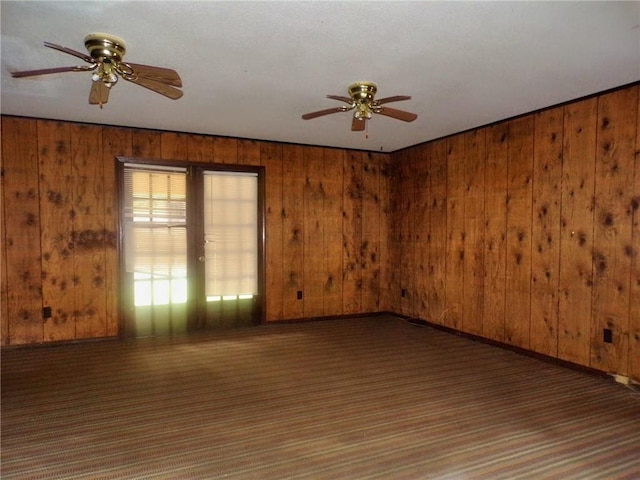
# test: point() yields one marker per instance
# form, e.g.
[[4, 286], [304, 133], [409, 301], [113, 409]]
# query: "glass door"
[[230, 248], [191, 244], [155, 249]]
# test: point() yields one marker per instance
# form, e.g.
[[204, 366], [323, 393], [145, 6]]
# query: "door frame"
[[125, 318]]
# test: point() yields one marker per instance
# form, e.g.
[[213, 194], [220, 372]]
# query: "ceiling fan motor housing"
[[103, 46], [362, 94], [363, 91]]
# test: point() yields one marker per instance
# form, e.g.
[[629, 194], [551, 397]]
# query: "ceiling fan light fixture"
[[361, 100], [363, 113], [106, 74]]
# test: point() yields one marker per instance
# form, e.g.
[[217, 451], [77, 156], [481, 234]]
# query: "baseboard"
[[328, 317], [416, 321]]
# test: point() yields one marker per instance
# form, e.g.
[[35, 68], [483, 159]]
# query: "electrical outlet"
[[607, 335]]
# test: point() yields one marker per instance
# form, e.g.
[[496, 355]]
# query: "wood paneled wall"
[[527, 232], [326, 225]]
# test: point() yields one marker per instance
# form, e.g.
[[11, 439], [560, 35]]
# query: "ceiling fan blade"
[[338, 97], [158, 87], [398, 114], [309, 116], [157, 74], [47, 71], [358, 124], [99, 94], [75, 53], [395, 98]]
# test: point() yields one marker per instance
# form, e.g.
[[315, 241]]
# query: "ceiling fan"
[[361, 99], [105, 60]]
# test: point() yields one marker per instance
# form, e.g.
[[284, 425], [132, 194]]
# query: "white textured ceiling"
[[251, 69]]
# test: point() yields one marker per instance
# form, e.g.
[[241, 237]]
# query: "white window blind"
[[231, 234], [155, 235]]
